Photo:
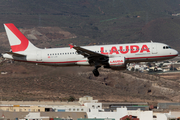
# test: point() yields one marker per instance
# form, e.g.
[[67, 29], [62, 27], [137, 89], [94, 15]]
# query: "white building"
[[35, 116], [86, 104], [166, 116], [142, 115], [87, 99], [121, 112], [95, 113], [94, 110]]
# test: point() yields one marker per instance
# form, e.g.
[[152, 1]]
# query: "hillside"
[[98, 21], [32, 82], [57, 23]]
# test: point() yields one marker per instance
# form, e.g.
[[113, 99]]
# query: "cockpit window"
[[166, 47]]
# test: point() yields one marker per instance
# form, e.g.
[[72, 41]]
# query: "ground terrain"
[[32, 82], [57, 23]]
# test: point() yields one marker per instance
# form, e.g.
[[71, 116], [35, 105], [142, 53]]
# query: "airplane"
[[114, 56]]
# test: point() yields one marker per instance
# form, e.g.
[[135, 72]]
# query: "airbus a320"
[[114, 56]]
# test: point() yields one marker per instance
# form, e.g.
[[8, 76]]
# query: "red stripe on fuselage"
[[86, 60], [53, 62], [152, 57]]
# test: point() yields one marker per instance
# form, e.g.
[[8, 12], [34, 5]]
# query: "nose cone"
[[175, 52]]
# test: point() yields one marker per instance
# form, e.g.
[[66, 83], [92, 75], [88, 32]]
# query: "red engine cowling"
[[117, 63]]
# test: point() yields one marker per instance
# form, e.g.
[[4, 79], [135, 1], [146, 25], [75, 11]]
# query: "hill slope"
[[46, 23], [31, 82], [98, 21]]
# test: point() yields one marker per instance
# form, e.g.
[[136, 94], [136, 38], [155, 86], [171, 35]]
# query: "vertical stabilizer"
[[17, 40]]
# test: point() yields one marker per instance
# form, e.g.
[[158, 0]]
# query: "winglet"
[[71, 46]]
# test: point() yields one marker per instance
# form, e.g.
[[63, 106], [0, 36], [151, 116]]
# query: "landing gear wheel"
[[95, 72], [155, 69]]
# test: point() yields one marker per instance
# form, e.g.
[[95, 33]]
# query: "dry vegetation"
[[32, 82]]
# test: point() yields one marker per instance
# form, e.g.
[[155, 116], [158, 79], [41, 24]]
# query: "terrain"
[[32, 82], [98, 21], [57, 23]]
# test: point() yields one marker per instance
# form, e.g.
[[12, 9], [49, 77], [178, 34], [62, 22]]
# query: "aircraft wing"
[[87, 53]]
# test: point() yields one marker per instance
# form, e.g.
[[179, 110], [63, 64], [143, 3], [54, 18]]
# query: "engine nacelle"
[[117, 63]]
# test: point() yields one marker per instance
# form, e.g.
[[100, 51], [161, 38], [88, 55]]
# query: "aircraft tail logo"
[[17, 40]]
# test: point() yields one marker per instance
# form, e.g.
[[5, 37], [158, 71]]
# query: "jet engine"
[[117, 63]]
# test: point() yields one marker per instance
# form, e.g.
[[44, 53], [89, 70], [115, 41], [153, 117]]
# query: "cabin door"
[[154, 49], [39, 56]]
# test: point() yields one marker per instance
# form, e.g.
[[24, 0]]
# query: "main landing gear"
[[96, 72]]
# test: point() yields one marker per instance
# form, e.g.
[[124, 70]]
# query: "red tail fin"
[[17, 40]]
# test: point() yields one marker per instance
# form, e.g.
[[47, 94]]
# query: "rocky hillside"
[[31, 82], [57, 23], [97, 21]]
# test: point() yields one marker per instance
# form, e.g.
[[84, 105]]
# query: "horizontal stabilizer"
[[15, 54]]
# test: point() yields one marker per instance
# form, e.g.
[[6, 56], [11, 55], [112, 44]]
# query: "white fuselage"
[[135, 52]]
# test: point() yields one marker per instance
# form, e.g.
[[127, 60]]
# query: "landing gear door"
[[38, 55], [154, 49]]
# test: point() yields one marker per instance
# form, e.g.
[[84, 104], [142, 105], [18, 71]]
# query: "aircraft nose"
[[175, 52]]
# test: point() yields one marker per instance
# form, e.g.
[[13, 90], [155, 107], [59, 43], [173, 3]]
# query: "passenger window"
[[167, 47], [163, 47]]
